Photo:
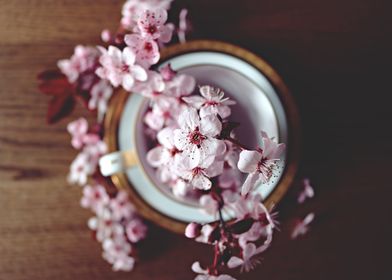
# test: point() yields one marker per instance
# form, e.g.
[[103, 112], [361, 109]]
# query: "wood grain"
[[335, 56]]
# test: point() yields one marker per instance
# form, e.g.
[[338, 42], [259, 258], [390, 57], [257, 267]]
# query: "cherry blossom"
[[179, 86], [179, 187], [132, 10], [95, 198], [152, 88], [100, 95], [211, 101], [116, 252], [204, 274], [83, 59], [307, 191], [248, 260], [104, 225], [260, 164], [182, 26], [121, 207], [164, 156], [199, 176], [78, 129], [119, 67], [302, 227], [145, 48], [152, 25], [135, 230], [205, 233], [79, 170], [208, 204], [196, 137]]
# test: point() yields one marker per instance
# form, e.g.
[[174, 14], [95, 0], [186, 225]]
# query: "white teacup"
[[263, 103]]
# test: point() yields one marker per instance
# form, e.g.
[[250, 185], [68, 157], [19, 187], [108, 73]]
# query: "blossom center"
[[196, 138], [148, 46], [151, 29], [125, 68]]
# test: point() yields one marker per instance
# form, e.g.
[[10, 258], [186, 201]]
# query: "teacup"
[[263, 103]]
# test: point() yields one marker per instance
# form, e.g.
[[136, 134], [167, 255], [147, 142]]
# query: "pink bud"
[[105, 35], [192, 230], [167, 72]]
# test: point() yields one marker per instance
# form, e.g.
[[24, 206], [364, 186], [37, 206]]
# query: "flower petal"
[[248, 161], [250, 183], [234, 262], [210, 126]]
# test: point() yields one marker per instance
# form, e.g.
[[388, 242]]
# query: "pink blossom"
[[205, 233], [302, 227], [94, 197], [78, 129], [164, 156], [179, 187], [152, 88], [181, 85], [211, 101], [86, 162], [80, 169], [248, 260], [204, 274], [121, 207], [182, 26], [145, 48], [307, 191], [199, 176], [104, 225], [116, 252], [260, 164], [135, 230], [152, 25], [119, 67], [83, 59], [196, 137], [100, 95], [132, 10], [208, 204]]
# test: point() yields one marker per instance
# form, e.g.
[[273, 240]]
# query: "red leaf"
[[60, 107], [241, 226], [54, 83]]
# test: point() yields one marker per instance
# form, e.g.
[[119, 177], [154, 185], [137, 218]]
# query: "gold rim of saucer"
[[113, 115]]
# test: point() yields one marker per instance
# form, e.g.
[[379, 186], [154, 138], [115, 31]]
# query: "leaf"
[[54, 83], [241, 226], [227, 128], [60, 107]]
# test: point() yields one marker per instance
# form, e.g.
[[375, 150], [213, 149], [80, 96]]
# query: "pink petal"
[[189, 119], [196, 267], [154, 156], [201, 182], [138, 73], [248, 161], [210, 126], [215, 169], [234, 262], [128, 82], [165, 137], [180, 139], [166, 33], [194, 101], [250, 183]]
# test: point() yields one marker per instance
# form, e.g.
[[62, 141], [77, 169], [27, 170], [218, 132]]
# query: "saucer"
[[263, 103]]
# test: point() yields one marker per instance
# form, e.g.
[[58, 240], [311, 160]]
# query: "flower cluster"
[[116, 225], [194, 149]]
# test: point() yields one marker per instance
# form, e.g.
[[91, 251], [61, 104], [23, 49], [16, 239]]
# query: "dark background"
[[335, 57]]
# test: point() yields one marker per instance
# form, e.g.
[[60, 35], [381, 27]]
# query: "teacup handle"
[[117, 162]]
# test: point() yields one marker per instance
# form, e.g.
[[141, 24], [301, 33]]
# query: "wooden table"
[[335, 56]]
